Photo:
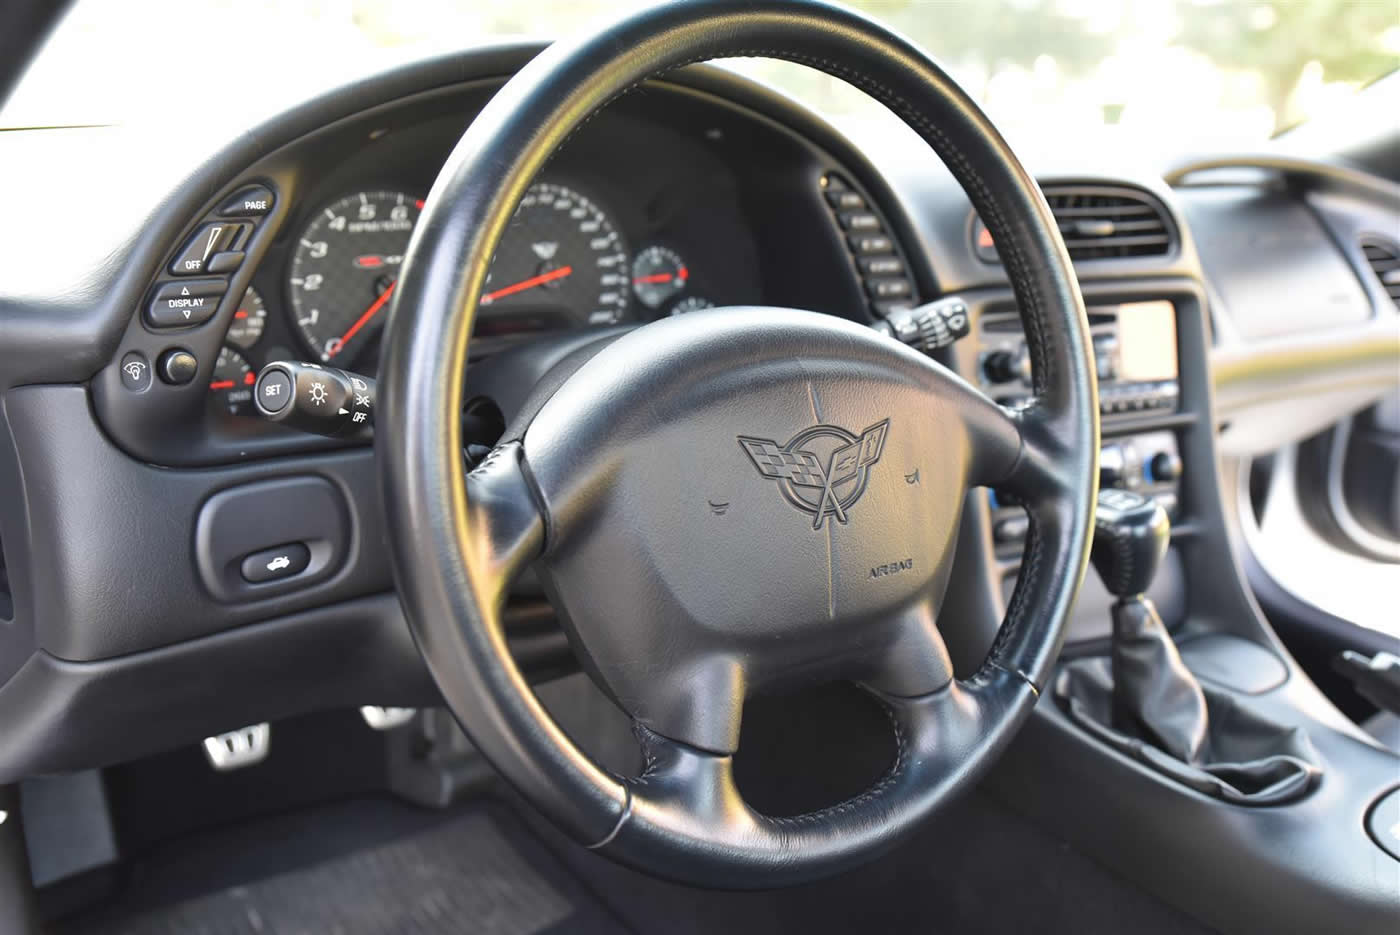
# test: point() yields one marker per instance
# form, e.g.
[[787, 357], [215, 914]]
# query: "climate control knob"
[[1007, 367], [1164, 467], [1112, 466]]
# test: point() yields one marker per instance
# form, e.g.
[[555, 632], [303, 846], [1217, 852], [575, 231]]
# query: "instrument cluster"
[[564, 263]]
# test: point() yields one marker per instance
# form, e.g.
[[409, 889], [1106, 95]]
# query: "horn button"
[[747, 496]]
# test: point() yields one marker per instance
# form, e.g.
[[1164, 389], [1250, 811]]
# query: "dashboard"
[[704, 188], [142, 295]]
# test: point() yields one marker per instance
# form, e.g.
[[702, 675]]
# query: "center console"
[[1135, 349], [1096, 763]]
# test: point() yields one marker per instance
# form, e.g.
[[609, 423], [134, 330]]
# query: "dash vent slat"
[[1383, 256], [1100, 222], [1106, 223]]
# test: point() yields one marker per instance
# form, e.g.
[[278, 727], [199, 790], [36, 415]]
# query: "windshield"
[[1151, 75]]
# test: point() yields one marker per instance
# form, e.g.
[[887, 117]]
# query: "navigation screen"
[[1146, 341]]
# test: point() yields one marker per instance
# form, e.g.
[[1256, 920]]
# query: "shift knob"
[[1130, 538]]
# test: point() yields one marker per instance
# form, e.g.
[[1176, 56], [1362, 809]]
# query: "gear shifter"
[[1153, 691], [1144, 702]]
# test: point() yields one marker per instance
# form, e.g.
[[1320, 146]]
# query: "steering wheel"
[[826, 563]]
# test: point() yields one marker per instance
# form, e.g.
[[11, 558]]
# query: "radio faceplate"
[[1134, 347]]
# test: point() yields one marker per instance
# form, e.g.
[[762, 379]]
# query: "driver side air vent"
[[1383, 257], [1100, 222]]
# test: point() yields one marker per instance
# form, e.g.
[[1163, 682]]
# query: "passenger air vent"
[[1383, 256], [1100, 222]]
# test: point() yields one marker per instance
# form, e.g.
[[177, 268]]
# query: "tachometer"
[[561, 264], [344, 268]]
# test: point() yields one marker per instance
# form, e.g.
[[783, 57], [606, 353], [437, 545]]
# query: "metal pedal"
[[238, 748], [386, 718]]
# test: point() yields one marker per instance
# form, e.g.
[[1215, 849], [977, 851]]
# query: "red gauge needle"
[[524, 284], [681, 274], [363, 320]]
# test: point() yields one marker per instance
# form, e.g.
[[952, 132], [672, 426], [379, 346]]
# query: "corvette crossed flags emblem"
[[800, 472]]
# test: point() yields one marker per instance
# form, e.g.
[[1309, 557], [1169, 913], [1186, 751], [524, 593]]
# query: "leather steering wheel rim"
[[457, 539]]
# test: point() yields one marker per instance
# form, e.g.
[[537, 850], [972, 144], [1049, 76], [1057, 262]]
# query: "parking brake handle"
[[316, 399]]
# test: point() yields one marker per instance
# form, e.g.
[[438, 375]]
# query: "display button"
[[273, 564], [136, 372], [177, 366], [249, 202], [226, 262], [207, 241], [274, 390], [185, 303]]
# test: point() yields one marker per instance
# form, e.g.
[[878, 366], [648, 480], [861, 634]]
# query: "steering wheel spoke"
[[507, 526], [916, 660], [1037, 472]]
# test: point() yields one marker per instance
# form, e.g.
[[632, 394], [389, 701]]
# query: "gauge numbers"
[[562, 263], [344, 268], [691, 303], [248, 321]]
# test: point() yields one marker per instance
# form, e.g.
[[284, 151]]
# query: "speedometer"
[[344, 268], [561, 264]]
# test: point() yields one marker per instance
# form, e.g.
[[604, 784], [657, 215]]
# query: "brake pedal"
[[238, 748]]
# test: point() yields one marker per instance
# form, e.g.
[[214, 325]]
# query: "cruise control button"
[[274, 390], [185, 303], [207, 241], [272, 564], [136, 372], [254, 201]]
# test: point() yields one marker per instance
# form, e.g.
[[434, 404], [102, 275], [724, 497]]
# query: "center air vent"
[[1100, 222], [1383, 256]]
